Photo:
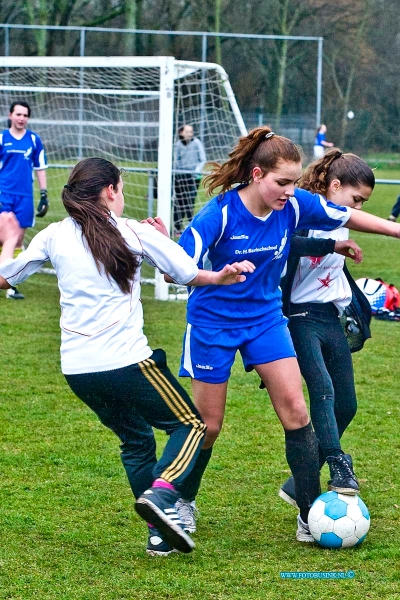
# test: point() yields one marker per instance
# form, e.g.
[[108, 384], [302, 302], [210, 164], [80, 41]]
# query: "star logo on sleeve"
[[325, 282]]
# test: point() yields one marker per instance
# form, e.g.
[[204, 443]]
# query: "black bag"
[[356, 317]]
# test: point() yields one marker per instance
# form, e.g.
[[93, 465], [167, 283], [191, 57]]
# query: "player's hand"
[[158, 224], [349, 249], [43, 205], [234, 273]]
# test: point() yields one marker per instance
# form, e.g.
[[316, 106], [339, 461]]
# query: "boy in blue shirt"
[[21, 153]]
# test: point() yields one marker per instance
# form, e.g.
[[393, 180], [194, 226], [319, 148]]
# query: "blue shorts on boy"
[[21, 206], [18, 159]]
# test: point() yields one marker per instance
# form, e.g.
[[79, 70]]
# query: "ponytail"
[[81, 197], [349, 169], [262, 148]]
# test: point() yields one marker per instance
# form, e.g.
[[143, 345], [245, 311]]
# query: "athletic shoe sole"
[[158, 553], [287, 498], [172, 533], [304, 538], [189, 529], [342, 490]]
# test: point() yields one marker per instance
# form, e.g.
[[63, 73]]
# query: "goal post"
[[127, 110]]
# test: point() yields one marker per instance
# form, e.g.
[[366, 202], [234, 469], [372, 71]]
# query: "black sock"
[[302, 458]]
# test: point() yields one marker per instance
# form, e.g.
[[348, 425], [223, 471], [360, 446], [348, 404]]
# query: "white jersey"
[[321, 279], [101, 327]]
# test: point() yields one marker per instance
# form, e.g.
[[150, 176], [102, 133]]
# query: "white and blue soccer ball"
[[338, 520]]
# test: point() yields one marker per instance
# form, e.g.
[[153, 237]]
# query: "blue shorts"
[[21, 206], [208, 354]]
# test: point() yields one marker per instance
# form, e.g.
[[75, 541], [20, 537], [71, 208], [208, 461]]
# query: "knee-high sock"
[[302, 458], [190, 486]]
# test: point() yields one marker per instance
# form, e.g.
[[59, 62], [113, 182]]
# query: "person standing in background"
[[21, 153], [320, 143], [395, 212], [189, 157]]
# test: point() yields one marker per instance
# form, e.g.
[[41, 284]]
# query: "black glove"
[[43, 205]]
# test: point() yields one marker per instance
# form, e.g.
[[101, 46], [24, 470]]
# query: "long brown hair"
[[349, 169], [82, 200], [261, 148]]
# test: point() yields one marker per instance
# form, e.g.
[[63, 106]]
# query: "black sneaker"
[[343, 477], [157, 506], [287, 492], [13, 294], [156, 546]]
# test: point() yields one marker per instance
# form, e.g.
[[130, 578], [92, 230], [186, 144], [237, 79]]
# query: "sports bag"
[[380, 295], [356, 317]]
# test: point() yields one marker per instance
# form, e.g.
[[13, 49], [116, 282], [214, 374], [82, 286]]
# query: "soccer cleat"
[[157, 506], [156, 546], [303, 533], [287, 492], [14, 294], [343, 479], [187, 513], [392, 218]]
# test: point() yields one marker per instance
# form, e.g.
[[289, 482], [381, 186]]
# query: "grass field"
[[67, 521]]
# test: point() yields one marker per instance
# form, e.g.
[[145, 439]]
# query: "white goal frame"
[[170, 70]]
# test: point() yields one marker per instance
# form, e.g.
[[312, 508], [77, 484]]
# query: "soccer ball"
[[338, 521]]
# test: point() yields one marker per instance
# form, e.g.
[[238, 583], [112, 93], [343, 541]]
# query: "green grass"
[[67, 521]]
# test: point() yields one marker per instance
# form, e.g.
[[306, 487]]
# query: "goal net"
[[127, 110]]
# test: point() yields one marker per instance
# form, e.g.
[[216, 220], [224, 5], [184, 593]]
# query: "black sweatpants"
[[132, 400]]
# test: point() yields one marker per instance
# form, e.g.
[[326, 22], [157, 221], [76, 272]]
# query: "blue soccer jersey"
[[224, 231], [17, 160], [319, 138]]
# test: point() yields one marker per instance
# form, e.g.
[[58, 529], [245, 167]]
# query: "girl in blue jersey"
[[255, 220], [320, 144], [105, 356]]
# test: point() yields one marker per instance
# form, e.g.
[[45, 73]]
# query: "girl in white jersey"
[[105, 356], [256, 219], [315, 293]]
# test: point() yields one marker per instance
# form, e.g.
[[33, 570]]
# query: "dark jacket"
[[359, 309], [301, 245]]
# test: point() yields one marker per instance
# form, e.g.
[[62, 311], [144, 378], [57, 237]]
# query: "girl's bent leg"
[[283, 382], [311, 335], [210, 401], [138, 447], [166, 405]]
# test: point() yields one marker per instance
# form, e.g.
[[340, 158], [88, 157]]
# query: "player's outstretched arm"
[[227, 276], [362, 221]]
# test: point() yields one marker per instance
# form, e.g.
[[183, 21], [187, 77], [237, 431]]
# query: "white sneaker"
[[187, 512], [303, 533]]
